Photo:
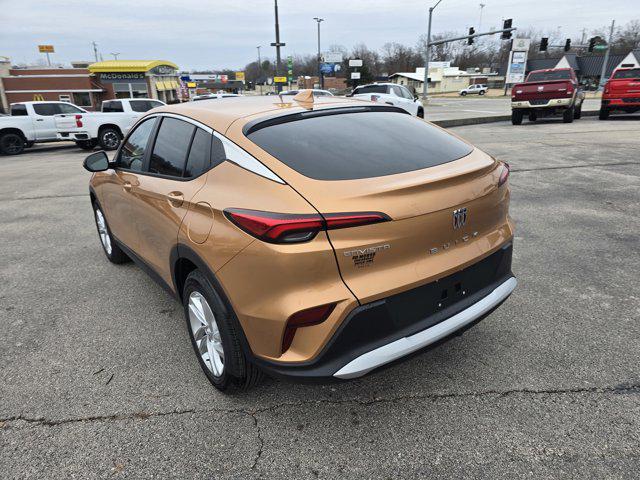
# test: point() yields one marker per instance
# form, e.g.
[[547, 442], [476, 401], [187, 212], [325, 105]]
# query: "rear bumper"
[[74, 136], [551, 103], [622, 102], [387, 330]]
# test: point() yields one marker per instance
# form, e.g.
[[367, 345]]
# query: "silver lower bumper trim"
[[404, 346]]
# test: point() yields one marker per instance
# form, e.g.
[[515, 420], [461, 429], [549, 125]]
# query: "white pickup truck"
[[392, 94], [32, 122], [105, 128]]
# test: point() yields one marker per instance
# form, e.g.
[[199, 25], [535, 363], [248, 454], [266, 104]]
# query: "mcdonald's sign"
[[37, 97]]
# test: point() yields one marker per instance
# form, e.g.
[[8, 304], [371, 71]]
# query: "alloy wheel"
[[206, 333], [105, 238], [110, 139], [13, 145]]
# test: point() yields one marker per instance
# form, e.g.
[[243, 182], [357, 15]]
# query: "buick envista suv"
[[307, 237]]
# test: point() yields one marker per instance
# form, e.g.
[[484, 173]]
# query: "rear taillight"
[[606, 87], [304, 318], [78, 121], [504, 174], [295, 228]]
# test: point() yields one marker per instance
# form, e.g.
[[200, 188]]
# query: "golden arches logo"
[[37, 97]]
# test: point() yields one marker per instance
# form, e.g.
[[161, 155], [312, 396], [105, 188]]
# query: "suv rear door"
[[414, 172]]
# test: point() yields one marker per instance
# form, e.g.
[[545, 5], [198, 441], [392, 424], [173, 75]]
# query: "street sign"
[[280, 79], [191, 84], [240, 76], [600, 47], [46, 49], [332, 57], [355, 75], [355, 63]]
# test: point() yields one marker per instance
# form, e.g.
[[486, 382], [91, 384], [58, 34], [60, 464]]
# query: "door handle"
[[175, 198], [39, 119]]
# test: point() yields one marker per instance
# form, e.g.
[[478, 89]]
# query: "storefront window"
[[130, 90], [82, 99]]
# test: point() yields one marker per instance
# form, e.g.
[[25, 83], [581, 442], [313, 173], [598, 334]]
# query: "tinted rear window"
[[111, 107], [366, 144], [371, 89], [19, 110], [633, 73], [171, 147], [545, 76]]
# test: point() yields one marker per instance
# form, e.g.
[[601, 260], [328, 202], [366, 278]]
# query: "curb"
[[461, 122]]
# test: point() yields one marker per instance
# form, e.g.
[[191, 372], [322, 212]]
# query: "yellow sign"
[[46, 49], [240, 76], [191, 84], [37, 97], [280, 79]]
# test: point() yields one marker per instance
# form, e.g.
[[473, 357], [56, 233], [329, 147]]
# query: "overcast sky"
[[201, 34]]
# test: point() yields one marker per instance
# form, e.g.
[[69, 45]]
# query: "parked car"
[[391, 94], [316, 92], [320, 246], [545, 93], [211, 96], [621, 92], [474, 89], [32, 122], [105, 128]]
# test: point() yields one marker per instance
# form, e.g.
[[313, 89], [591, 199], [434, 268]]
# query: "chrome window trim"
[[235, 153]]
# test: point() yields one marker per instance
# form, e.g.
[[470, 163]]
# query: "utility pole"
[[428, 55], [320, 77], [259, 69], [603, 72], [277, 44], [482, 5], [95, 50]]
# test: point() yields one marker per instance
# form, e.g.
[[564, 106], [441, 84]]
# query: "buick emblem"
[[541, 88], [459, 218]]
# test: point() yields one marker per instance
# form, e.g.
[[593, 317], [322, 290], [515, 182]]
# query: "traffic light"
[[507, 24], [471, 32], [567, 45], [544, 44], [592, 43]]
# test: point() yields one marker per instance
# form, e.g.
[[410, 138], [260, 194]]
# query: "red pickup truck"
[[621, 92], [545, 93]]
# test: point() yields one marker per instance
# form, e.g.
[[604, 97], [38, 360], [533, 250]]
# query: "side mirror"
[[96, 162]]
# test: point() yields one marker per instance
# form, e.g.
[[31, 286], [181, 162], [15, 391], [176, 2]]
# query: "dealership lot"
[[98, 378]]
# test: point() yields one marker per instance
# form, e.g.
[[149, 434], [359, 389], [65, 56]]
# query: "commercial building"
[[138, 78], [87, 85], [443, 78]]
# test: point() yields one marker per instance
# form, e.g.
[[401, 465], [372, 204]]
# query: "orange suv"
[[307, 237]]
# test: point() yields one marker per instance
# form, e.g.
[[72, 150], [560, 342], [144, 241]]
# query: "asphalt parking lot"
[[98, 378]]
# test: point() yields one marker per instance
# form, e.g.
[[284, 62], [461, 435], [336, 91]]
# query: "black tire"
[[463, 93], [29, 144], [114, 253], [12, 144], [567, 115], [481, 92], [238, 371], [86, 144], [532, 116], [516, 117], [604, 113], [109, 138], [578, 112], [420, 113]]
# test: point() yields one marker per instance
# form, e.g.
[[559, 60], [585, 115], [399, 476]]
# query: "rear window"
[[19, 110], [143, 105], [370, 89], [546, 76], [112, 107], [46, 109], [366, 144], [633, 73]]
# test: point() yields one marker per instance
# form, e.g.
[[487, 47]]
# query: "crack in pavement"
[[252, 414], [574, 166], [629, 388]]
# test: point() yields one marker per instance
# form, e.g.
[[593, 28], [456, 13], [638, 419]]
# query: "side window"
[[46, 109], [112, 107], [396, 91], [200, 154], [132, 153], [19, 110], [170, 150], [143, 105], [68, 108], [406, 93]]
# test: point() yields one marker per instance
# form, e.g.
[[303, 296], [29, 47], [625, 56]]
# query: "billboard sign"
[[332, 57], [240, 76], [46, 49], [355, 75], [280, 79]]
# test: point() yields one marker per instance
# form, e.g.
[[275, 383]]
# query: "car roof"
[[220, 115], [42, 101]]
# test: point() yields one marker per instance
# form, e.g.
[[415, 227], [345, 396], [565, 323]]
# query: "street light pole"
[[603, 72], [428, 55], [320, 78], [259, 69], [277, 44]]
